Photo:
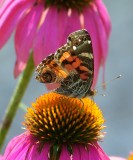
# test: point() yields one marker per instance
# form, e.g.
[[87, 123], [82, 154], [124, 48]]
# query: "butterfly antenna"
[[105, 83]]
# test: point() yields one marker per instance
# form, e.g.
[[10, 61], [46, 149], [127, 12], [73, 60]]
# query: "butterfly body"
[[72, 66]]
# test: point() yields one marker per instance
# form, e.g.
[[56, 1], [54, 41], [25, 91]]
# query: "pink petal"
[[1, 157], [50, 35], [116, 158], [93, 152], [101, 153], [4, 6], [1, 3], [99, 38], [73, 23], [80, 153], [10, 19], [16, 147], [34, 154], [65, 155], [24, 36], [24, 147], [19, 67], [93, 155], [103, 13], [103, 38], [96, 152], [92, 28], [26, 31]]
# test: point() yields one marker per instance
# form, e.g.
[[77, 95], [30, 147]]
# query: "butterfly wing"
[[72, 66], [77, 59]]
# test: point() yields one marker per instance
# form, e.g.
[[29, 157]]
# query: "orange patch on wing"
[[62, 73], [59, 72], [45, 70], [66, 55], [84, 76], [76, 63], [69, 67], [69, 59], [51, 64], [83, 68]]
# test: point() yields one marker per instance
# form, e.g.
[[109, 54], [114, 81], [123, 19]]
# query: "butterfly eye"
[[46, 77]]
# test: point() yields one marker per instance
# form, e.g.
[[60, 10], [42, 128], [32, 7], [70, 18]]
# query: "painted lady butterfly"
[[72, 66]]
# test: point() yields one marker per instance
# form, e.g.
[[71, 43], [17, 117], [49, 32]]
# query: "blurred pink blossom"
[[1, 158], [42, 29]]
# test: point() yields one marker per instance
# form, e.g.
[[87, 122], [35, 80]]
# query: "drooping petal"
[[18, 68], [65, 155], [50, 35], [80, 153], [73, 23], [99, 38], [4, 6], [101, 153], [24, 36], [10, 19], [25, 147], [1, 158], [92, 29], [96, 152], [17, 147], [103, 13], [25, 33], [38, 46], [103, 37], [103, 40], [92, 152], [35, 154]]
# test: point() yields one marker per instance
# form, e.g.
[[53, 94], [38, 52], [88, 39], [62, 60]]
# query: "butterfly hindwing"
[[49, 71]]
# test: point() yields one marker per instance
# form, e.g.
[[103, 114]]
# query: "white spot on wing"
[[74, 48], [89, 55], [89, 41]]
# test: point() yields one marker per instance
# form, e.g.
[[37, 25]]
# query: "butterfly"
[[71, 66]]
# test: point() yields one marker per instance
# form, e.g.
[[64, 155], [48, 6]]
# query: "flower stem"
[[16, 99]]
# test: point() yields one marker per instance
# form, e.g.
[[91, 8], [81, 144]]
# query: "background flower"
[[116, 158], [130, 157], [43, 25], [1, 157]]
